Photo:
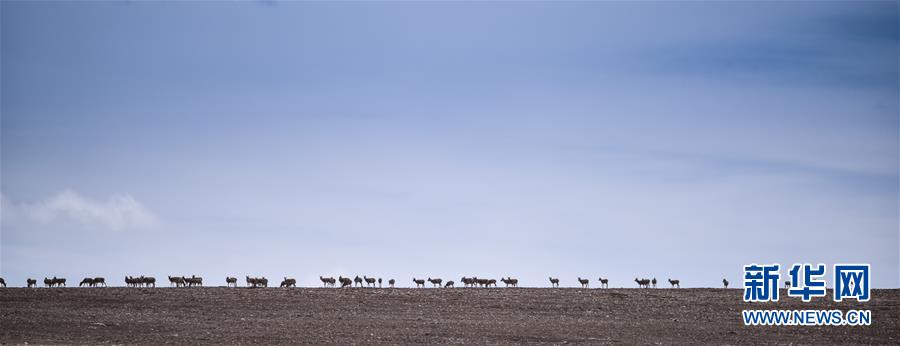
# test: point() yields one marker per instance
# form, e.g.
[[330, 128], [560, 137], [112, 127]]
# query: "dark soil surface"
[[405, 316]]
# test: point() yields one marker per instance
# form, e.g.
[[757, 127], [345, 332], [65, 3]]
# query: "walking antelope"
[[435, 282], [357, 281], [149, 281], [289, 282], [642, 283], [675, 283], [449, 284], [467, 281], [584, 282], [653, 282], [31, 282], [604, 282], [419, 283], [554, 282], [509, 281], [725, 282], [369, 281], [178, 281], [193, 281], [345, 281], [230, 281], [87, 281], [55, 282], [391, 282], [326, 281], [100, 281]]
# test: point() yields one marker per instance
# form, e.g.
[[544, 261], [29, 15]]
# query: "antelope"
[[787, 284], [435, 282], [554, 282], [357, 281], [230, 281], [675, 283], [467, 281], [86, 281], [642, 283], [653, 282], [603, 282], [100, 281], [584, 282], [252, 282], [2, 282], [345, 281], [177, 281], [148, 281], [369, 281], [289, 282], [419, 283], [327, 281], [725, 282], [379, 282], [193, 281], [509, 281], [449, 284], [490, 282], [31, 282], [391, 282]]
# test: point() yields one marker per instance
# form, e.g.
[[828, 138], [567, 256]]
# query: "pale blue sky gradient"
[[405, 139]]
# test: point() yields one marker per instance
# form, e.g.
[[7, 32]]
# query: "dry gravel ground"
[[401, 316]]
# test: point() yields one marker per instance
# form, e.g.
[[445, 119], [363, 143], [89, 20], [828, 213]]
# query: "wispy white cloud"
[[117, 213]]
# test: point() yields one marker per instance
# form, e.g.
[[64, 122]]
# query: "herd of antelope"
[[262, 282]]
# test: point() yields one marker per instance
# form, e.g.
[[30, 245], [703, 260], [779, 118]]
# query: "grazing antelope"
[[675, 283], [148, 281], [379, 282], [584, 282], [391, 282], [230, 281], [603, 282], [345, 281], [449, 284], [419, 283], [357, 281], [100, 281], [86, 281], [725, 282], [31, 282], [554, 282], [289, 282], [369, 281], [2, 282], [642, 283], [435, 282], [178, 281], [326, 281]]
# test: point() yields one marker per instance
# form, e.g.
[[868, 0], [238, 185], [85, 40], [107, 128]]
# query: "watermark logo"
[[851, 281], [761, 282], [807, 282]]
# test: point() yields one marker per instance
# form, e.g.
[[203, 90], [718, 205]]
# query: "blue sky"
[[405, 139]]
